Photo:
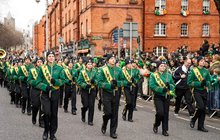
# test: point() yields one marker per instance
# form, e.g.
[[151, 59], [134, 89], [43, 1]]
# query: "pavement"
[[17, 126]]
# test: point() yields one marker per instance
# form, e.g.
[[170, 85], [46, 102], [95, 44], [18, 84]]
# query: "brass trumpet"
[[2, 53]]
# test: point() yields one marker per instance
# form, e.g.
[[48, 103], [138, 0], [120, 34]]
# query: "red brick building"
[[39, 36], [99, 18], [170, 24]]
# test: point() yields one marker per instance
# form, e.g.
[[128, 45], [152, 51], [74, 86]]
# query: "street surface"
[[17, 126]]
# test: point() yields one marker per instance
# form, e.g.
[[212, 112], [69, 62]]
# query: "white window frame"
[[184, 29], [160, 51], [160, 4], [160, 29], [206, 5], [205, 30], [184, 5]]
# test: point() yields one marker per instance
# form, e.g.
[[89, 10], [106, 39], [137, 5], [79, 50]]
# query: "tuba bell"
[[2, 53]]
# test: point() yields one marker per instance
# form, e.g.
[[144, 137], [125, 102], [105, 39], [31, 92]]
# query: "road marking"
[[182, 118], [213, 127], [139, 106], [136, 105]]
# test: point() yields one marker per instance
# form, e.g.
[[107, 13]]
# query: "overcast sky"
[[25, 12]]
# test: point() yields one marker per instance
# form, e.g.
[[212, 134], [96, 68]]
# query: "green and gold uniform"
[[109, 79], [199, 80], [162, 85], [87, 81], [23, 72]]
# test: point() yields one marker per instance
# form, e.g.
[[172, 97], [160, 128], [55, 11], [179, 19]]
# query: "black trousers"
[[201, 103], [61, 95], [135, 92], [36, 105], [50, 110], [17, 94], [70, 93], [26, 100], [88, 103], [188, 97], [110, 109], [129, 102], [162, 111]]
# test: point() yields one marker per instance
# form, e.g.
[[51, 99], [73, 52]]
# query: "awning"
[[83, 51]]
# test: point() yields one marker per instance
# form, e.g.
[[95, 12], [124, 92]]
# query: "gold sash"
[[47, 75], [108, 76], [198, 74], [68, 75], [127, 75], [24, 70], [86, 78], [16, 70], [159, 80], [34, 73]]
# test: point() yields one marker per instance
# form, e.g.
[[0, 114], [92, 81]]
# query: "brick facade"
[[173, 20]]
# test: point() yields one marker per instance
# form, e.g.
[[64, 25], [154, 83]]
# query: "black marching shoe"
[[114, 136], [22, 111], [83, 119], [203, 129], [192, 124], [53, 138], [65, 110], [130, 120], [45, 136], [29, 113], [73, 112], [103, 129], [155, 129], [33, 121], [41, 125], [90, 123], [165, 133]]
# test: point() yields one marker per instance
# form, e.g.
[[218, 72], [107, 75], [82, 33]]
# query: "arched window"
[[160, 50], [184, 29], [206, 6], [184, 5], [160, 4], [205, 29], [160, 29]]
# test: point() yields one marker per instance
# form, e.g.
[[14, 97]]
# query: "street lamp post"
[[46, 13]]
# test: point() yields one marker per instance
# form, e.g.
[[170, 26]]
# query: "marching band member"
[[87, 81], [25, 91], [50, 76], [34, 80], [199, 79], [161, 83], [129, 90], [110, 78]]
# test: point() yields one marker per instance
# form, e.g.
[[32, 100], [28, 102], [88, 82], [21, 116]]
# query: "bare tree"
[[10, 38]]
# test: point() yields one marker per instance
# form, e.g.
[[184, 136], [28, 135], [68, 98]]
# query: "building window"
[[69, 15], [82, 4], [69, 35], [206, 6], [184, 29], [65, 3], [81, 29], [184, 5], [160, 51], [160, 4], [86, 26], [160, 29], [205, 30]]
